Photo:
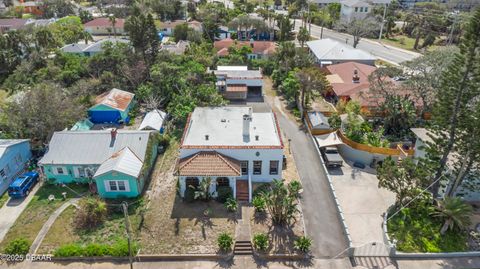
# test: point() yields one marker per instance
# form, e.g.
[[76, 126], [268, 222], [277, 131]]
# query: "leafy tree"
[[68, 29], [57, 8], [358, 28], [426, 19], [399, 116], [285, 26], [459, 85], [312, 84], [281, 204], [203, 190], [143, 34], [180, 32], [85, 16], [422, 78], [404, 178], [290, 87], [90, 213], [303, 36], [335, 121], [169, 10], [334, 11], [39, 112], [455, 213]]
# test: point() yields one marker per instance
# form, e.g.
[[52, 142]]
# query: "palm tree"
[[113, 21], [455, 213]]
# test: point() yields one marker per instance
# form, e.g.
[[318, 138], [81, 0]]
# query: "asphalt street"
[[382, 51]]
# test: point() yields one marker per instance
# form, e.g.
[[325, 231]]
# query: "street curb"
[[280, 257], [146, 258]]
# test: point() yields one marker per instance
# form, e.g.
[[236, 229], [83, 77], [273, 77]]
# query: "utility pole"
[[383, 22], [127, 227]]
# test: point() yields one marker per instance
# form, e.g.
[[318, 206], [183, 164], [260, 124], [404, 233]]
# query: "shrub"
[[91, 212], [303, 244], [294, 188], [259, 203], [223, 193], [260, 242], [19, 246], [118, 249], [231, 204], [263, 188], [225, 241], [189, 195]]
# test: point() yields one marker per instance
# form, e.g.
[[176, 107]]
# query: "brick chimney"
[[355, 78], [113, 135]]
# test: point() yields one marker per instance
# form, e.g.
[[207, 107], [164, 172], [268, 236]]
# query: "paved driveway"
[[363, 203], [12, 210]]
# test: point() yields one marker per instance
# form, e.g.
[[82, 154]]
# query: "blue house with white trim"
[[116, 162], [14, 157], [112, 107]]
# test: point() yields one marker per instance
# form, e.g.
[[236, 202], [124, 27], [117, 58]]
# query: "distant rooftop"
[[91, 47], [238, 72], [328, 49], [218, 127]]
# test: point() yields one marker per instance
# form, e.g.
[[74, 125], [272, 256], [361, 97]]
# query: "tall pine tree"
[[460, 84]]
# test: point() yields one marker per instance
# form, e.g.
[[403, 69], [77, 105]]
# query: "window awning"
[[330, 139]]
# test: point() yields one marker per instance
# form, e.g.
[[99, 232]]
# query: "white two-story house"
[[233, 146]]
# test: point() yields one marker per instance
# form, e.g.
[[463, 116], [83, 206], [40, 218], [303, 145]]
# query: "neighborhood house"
[[117, 163], [232, 146], [260, 49], [14, 156], [112, 107], [104, 26], [238, 83], [327, 51], [93, 48]]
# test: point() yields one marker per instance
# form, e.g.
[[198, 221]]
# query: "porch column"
[[234, 187], [249, 188]]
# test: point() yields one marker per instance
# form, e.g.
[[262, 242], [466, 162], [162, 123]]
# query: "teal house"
[[116, 162], [112, 107]]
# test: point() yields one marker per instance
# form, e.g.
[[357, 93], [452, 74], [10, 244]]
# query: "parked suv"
[[22, 185], [331, 157]]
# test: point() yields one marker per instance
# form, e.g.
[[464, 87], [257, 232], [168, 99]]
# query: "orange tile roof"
[[105, 22], [259, 47], [208, 163], [115, 98]]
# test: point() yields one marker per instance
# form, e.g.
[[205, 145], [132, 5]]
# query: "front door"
[[242, 190]]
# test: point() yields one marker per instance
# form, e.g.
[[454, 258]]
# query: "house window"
[[117, 185], [273, 167], [60, 171], [361, 9], [223, 182], [257, 167], [244, 167], [356, 9], [2, 173], [121, 185], [191, 181], [81, 172], [113, 185], [366, 9]]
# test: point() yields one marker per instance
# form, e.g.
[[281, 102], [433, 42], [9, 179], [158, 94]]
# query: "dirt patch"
[[173, 226], [281, 237]]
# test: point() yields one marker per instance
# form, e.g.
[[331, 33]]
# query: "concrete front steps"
[[242, 196], [243, 248]]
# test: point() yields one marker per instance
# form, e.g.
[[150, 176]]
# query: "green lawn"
[[417, 231], [3, 199], [107, 233], [404, 42], [39, 210]]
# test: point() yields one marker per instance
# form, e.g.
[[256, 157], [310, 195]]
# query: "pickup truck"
[[331, 157]]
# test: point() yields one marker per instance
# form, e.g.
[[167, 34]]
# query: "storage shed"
[[153, 121], [112, 107]]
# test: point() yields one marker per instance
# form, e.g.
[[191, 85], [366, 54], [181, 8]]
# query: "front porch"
[[222, 170]]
